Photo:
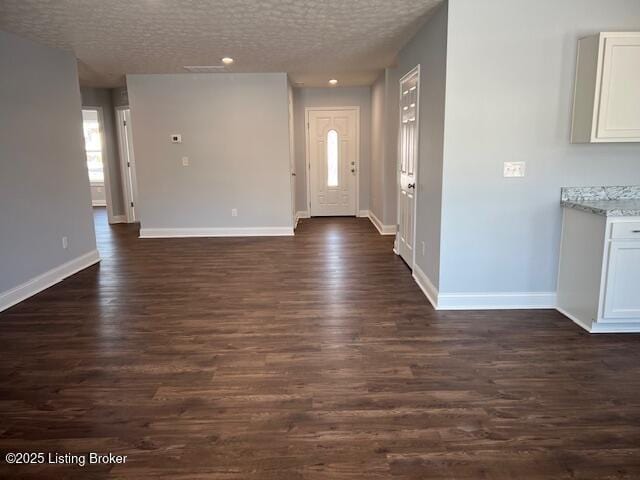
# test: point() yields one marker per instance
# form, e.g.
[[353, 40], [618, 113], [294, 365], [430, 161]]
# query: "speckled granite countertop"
[[607, 201]]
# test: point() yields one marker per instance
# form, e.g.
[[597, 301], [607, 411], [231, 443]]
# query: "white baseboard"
[[427, 287], [575, 319], [483, 300], [497, 301], [47, 279], [215, 232], [383, 229], [602, 327], [118, 219], [300, 214], [630, 327]]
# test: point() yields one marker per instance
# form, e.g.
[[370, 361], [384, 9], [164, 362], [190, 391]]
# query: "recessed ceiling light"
[[333, 81], [227, 60]]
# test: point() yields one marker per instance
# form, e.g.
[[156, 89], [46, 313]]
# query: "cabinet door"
[[622, 294], [619, 108]]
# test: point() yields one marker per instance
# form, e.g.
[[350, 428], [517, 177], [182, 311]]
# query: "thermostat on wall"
[[176, 138]]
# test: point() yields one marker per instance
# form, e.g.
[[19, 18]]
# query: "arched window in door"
[[332, 158]]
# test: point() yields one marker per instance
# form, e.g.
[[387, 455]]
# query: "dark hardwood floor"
[[306, 357]]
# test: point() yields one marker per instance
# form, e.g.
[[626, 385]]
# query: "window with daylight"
[[93, 145], [332, 158]]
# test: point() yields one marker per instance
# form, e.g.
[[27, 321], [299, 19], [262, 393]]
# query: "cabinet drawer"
[[625, 230]]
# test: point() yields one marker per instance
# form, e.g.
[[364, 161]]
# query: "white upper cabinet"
[[606, 103]]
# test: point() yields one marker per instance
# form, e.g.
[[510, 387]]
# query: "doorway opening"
[[97, 159], [333, 149]]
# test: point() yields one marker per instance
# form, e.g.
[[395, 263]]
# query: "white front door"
[[332, 137], [408, 152]]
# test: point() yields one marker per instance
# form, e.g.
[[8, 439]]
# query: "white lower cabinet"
[[599, 273], [622, 288]]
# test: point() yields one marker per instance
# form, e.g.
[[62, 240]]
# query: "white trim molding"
[[482, 300], [98, 203], [216, 232], [118, 219], [47, 279], [602, 327], [425, 284], [382, 228], [300, 214], [496, 301]]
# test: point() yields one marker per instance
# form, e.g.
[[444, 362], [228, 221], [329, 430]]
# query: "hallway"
[[314, 356]]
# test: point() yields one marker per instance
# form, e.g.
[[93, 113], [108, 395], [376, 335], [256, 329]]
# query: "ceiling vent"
[[204, 68]]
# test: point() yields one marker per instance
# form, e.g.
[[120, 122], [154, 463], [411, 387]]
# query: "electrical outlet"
[[65, 242], [424, 248], [234, 212], [176, 138], [514, 169], [185, 161]]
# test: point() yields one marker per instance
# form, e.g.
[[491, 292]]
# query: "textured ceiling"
[[313, 40]]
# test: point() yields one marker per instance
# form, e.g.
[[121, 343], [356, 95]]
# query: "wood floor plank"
[[309, 357]]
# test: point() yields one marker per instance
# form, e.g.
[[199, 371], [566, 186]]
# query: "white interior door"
[[292, 163], [408, 161], [128, 164], [332, 141]]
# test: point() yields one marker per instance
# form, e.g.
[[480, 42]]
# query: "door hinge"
[[124, 122], [128, 164], [132, 204]]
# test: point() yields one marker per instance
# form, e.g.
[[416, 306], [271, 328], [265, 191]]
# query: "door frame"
[[126, 189], [307, 110], [105, 159], [416, 166], [292, 154]]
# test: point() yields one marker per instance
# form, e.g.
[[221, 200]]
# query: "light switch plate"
[[185, 161], [176, 138], [514, 169]]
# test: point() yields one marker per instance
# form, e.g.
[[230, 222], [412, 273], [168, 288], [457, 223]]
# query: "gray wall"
[[378, 122], [234, 130], [120, 97], [332, 97], [101, 97], [44, 187], [509, 98], [392, 114], [429, 50]]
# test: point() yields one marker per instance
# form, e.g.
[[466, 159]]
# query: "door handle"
[[293, 174], [353, 170], [411, 185]]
